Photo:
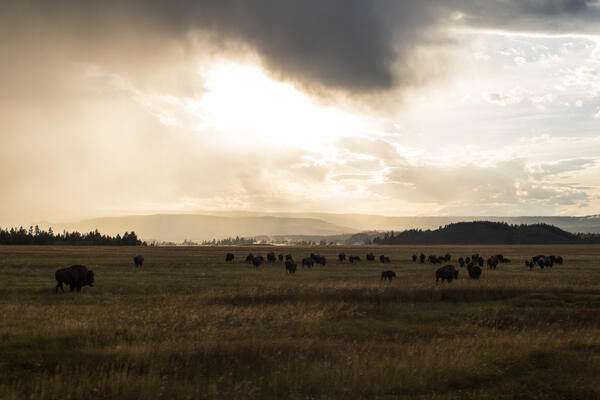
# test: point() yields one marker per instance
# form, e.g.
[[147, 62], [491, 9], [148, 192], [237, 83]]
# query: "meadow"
[[187, 325]]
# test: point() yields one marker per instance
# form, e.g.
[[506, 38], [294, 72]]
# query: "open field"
[[187, 325]]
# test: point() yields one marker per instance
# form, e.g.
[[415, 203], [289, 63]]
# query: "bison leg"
[[59, 285]]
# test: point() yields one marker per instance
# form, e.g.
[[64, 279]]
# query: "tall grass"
[[189, 326]]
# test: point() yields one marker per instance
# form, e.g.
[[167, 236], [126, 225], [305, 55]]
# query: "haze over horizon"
[[430, 108]]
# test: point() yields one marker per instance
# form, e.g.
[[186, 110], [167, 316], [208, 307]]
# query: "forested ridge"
[[486, 232]]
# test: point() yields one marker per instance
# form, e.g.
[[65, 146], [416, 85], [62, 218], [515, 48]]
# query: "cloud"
[[350, 45], [515, 96], [547, 169]]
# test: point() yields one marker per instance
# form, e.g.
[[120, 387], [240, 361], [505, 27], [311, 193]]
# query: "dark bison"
[[257, 261], [229, 257], [384, 259], [559, 260], [342, 257], [307, 262], [280, 257], [271, 257], [474, 271], [288, 257], [387, 275], [75, 276], [414, 258], [138, 261], [290, 266], [447, 257], [318, 259], [249, 258], [447, 273], [461, 262], [422, 258], [370, 257], [433, 259]]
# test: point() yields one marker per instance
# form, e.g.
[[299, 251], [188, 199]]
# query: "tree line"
[[230, 241], [37, 236]]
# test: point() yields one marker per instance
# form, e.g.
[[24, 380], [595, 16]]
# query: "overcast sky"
[[448, 107]]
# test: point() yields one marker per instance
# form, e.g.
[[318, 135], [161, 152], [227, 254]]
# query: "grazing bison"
[[461, 262], [288, 257], [229, 257], [257, 261], [307, 262], [342, 257], [249, 258], [76, 276], [280, 257], [384, 259], [271, 257], [447, 257], [447, 273], [414, 258], [319, 259], [467, 260], [492, 262], [541, 262], [422, 258], [138, 261], [290, 266], [433, 259], [474, 271], [559, 260], [387, 275], [370, 257]]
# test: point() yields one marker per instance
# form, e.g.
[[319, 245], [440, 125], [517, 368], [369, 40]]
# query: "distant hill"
[[486, 232], [371, 222], [315, 227], [179, 227]]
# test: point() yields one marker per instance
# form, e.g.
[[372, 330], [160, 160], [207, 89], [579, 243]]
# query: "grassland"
[[188, 326]]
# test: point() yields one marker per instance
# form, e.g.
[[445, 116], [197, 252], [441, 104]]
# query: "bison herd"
[[78, 276]]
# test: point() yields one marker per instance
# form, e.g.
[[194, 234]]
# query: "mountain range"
[[207, 225]]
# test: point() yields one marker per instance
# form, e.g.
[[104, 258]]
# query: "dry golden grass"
[[187, 325]]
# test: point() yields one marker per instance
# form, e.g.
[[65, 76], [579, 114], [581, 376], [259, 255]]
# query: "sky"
[[453, 107]]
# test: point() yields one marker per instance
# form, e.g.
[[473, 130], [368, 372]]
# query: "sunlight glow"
[[242, 102]]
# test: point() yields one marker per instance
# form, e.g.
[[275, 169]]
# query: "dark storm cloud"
[[354, 45], [543, 16]]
